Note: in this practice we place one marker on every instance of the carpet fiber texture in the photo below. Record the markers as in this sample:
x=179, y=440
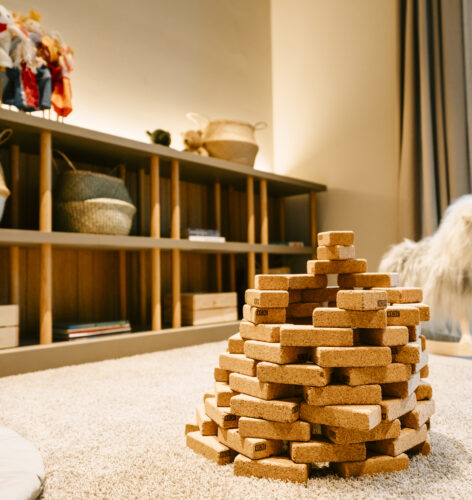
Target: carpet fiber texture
x=115, y=430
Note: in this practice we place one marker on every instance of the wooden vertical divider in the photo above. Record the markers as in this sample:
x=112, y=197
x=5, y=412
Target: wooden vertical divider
x=122, y=258
x=313, y=227
x=45, y=224
x=175, y=233
x=282, y=217
x=142, y=253
x=15, y=250
x=232, y=256
x=264, y=224
x=251, y=232
x=219, y=262
x=156, y=313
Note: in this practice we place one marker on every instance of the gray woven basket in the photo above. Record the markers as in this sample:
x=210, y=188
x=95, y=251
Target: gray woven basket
x=99, y=216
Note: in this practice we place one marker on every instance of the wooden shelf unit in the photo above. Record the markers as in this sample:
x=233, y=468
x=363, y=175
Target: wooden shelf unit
x=168, y=187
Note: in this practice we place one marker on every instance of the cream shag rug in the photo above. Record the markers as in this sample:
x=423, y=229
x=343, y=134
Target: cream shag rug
x=115, y=430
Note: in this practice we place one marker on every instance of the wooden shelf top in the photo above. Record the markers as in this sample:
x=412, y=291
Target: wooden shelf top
x=31, y=238
x=89, y=146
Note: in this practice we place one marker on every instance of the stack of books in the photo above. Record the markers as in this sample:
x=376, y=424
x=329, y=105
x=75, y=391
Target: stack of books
x=198, y=234
x=66, y=331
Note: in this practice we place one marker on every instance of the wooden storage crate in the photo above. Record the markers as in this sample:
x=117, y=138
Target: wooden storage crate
x=9, y=326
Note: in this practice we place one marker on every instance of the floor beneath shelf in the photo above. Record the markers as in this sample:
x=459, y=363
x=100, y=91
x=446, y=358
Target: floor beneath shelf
x=115, y=429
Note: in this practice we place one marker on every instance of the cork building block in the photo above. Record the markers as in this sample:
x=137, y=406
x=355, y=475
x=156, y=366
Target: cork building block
x=238, y=363
x=221, y=415
x=361, y=279
x=421, y=449
x=254, y=448
x=352, y=356
x=424, y=372
x=394, y=408
x=361, y=300
x=374, y=464
x=389, y=336
x=264, y=390
x=221, y=375
x=419, y=416
x=342, y=395
x=258, y=315
x=254, y=427
x=236, y=344
x=385, y=430
x=424, y=391
x=424, y=310
x=223, y=394
x=408, y=439
x=264, y=333
x=402, y=389
x=409, y=353
x=191, y=426
x=266, y=298
x=271, y=468
x=394, y=372
x=335, y=252
x=402, y=315
x=271, y=282
x=297, y=374
x=205, y=423
x=289, y=281
x=317, y=267
x=302, y=309
x=361, y=417
x=334, y=317
x=322, y=450
x=209, y=393
x=275, y=353
x=403, y=295
x=307, y=335
x=330, y=238
x=424, y=358
x=413, y=332
x=327, y=294
x=277, y=410
x=210, y=447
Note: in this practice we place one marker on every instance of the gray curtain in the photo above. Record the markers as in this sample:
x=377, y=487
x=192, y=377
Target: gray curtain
x=435, y=156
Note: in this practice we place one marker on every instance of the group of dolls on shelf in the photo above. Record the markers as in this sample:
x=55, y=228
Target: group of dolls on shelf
x=35, y=64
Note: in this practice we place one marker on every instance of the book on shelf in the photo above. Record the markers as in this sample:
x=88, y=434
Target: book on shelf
x=199, y=231
x=213, y=239
x=73, y=331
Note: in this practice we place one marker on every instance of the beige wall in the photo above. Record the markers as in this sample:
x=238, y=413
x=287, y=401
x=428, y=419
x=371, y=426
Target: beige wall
x=336, y=111
x=144, y=65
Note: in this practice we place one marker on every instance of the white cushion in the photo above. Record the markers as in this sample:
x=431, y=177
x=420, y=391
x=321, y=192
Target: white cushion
x=21, y=467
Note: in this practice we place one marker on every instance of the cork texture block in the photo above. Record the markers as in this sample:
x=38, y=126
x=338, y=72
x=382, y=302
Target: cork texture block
x=277, y=410
x=421, y=449
x=374, y=464
x=424, y=391
x=221, y=415
x=254, y=427
x=221, y=375
x=385, y=430
x=424, y=358
x=402, y=315
x=361, y=417
x=402, y=295
x=223, y=394
x=271, y=468
x=205, y=423
x=320, y=449
x=422, y=340
x=296, y=296
x=361, y=279
x=254, y=448
x=394, y=408
x=424, y=310
x=317, y=267
x=236, y=344
x=409, y=353
x=266, y=298
x=343, y=395
x=331, y=238
x=424, y=372
x=209, y=393
x=210, y=447
x=191, y=426
x=336, y=252
x=394, y=372
x=310, y=336
x=296, y=374
x=408, y=439
x=264, y=333
x=289, y=281
x=271, y=282
x=263, y=390
x=361, y=300
x=275, y=353
x=352, y=356
x=258, y=315
x=327, y=294
x=238, y=363
x=419, y=416
x=389, y=336
x=335, y=317
x=402, y=389
x=413, y=332
x=302, y=309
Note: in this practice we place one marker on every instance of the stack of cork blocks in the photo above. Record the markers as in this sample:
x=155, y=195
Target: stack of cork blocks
x=321, y=375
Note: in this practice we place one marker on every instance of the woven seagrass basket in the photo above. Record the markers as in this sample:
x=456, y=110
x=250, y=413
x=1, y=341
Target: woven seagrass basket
x=99, y=216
